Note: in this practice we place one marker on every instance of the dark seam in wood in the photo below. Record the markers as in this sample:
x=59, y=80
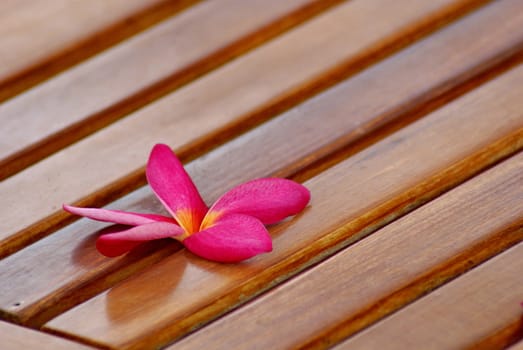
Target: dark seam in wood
x=89, y=47
x=333, y=242
x=36, y=319
x=221, y=135
x=85, y=127
x=424, y=284
x=393, y=120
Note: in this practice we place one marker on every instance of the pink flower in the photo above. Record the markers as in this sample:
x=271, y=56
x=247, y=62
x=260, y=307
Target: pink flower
x=231, y=230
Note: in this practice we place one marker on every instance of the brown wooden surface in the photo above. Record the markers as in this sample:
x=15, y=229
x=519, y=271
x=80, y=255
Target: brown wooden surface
x=41, y=38
x=36, y=299
x=475, y=306
x=122, y=79
x=347, y=203
x=276, y=74
x=409, y=257
x=403, y=118
x=15, y=338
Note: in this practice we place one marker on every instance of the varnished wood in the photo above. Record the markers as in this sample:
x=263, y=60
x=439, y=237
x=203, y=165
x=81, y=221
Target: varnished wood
x=403, y=118
x=474, y=306
x=349, y=201
x=383, y=272
x=201, y=114
x=15, y=338
x=41, y=38
x=348, y=120
x=97, y=92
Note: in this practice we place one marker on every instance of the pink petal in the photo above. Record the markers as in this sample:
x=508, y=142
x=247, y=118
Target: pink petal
x=231, y=238
x=117, y=216
x=269, y=199
x=118, y=243
x=174, y=188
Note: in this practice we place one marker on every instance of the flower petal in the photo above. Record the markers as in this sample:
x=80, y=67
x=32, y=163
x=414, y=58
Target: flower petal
x=268, y=199
x=118, y=243
x=174, y=188
x=232, y=238
x=117, y=216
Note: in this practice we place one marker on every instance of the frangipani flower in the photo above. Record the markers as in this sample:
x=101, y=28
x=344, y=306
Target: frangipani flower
x=231, y=230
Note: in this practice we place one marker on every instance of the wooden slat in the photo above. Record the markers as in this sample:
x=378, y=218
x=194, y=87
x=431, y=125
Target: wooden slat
x=474, y=306
x=40, y=38
x=349, y=200
x=404, y=259
x=201, y=114
x=15, y=338
x=105, y=88
x=402, y=83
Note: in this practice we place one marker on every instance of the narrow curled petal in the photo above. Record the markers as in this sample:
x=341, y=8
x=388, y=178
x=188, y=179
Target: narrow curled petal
x=117, y=216
x=232, y=238
x=174, y=188
x=118, y=243
x=269, y=199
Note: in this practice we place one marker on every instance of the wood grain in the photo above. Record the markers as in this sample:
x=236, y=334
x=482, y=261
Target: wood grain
x=475, y=305
x=204, y=113
x=349, y=120
x=408, y=257
x=120, y=80
x=349, y=200
x=42, y=38
x=16, y=338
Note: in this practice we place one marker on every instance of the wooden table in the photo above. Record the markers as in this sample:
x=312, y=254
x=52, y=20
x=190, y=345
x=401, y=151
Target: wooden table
x=404, y=119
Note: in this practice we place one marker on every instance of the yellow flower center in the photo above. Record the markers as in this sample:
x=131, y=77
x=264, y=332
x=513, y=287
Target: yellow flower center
x=209, y=219
x=190, y=223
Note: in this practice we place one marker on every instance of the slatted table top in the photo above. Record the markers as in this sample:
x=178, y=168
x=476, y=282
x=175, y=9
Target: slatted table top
x=403, y=118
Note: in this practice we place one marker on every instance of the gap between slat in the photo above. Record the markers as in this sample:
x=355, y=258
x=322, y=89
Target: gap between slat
x=68, y=125
x=276, y=131
x=481, y=301
x=193, y=141
x=73, y=53
x=384, y=272
x=350, y=200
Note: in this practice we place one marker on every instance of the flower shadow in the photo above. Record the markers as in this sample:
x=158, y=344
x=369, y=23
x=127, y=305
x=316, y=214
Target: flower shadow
x=85, y=253
x=158, y=288
x=143, y=294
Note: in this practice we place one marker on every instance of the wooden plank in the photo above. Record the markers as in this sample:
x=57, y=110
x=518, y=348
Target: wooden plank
x=105, y=88
x=474, y=306
x=203, y=113
x=40, y=38
x=349, y=120
x=349, y=200
x=16, y=338
x=404, y=259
